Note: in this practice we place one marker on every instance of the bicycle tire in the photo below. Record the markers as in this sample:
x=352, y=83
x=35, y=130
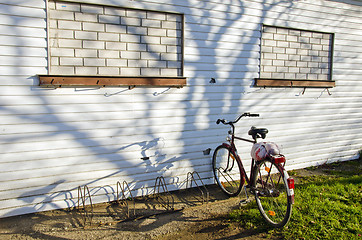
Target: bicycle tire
x=271, y=193
x=227, y=171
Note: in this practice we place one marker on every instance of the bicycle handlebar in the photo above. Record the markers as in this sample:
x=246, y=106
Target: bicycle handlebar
x=246, y=114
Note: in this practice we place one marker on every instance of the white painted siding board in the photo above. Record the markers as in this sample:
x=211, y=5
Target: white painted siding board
x=113, y=118
x=112, y=131
x=355, y=46
x=224, y=46
x=101, y=153
x=322, y=156
x=68, y=199
x=308, y=16
x=29, y=3
x=234, y=32
x=70, y=158
x=217, y=104
x=334, y=139
x=91, y=97
x=94, y=150
x=22, y=51
x=21, y=31
x=350, y=52
x=30, y=98
x=78, y=173
x=22, y=21
x=23, y=71
x=22, y=11
x=23, y=41
x=76, y=144
x=297, y=137
x=55, y=185
x=335, y=12
x=22, y=61
x=18, y=80
x=203, y=54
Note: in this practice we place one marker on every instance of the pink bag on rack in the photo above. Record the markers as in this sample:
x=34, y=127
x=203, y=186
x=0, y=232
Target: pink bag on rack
x=261, y=150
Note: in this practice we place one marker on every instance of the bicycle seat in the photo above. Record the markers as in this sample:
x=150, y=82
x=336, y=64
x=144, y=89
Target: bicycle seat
x=258, y=132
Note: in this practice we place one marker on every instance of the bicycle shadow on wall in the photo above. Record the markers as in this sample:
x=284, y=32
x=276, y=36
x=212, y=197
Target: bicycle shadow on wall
x=149, y=149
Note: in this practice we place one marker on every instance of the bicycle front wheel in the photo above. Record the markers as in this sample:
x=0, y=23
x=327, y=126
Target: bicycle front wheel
x=227, y=171
x=271, y=193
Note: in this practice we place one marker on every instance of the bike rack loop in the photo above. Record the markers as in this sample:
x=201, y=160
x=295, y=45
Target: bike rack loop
x=82, y=195
x=123, y=199
x=160, y=182
x=191, y=177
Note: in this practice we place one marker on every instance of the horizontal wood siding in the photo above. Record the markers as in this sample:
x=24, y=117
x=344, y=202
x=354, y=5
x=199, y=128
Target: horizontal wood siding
x=54, y=140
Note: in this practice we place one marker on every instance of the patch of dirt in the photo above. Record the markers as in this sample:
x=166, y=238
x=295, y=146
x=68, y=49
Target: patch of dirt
x=192, y=217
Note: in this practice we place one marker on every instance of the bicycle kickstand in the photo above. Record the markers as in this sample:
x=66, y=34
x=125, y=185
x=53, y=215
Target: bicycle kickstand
x=246, y=200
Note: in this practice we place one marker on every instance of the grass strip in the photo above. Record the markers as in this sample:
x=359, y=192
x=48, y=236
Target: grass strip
x=326, y=207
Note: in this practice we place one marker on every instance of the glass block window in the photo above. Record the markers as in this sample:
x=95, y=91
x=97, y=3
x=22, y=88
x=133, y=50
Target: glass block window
x=87, y=39
x=294, y=54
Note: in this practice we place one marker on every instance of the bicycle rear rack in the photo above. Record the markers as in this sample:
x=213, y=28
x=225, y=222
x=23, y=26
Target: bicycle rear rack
x=191, y=179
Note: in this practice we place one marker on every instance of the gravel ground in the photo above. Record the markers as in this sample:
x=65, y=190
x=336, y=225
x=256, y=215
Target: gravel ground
x=194, y=216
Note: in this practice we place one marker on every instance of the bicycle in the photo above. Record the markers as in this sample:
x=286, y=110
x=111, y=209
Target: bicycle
x=269, y=181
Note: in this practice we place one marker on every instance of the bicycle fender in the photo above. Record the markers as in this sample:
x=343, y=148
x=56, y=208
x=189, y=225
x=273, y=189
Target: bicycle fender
x=290, y=190
x=231, y=150
x=227, y=145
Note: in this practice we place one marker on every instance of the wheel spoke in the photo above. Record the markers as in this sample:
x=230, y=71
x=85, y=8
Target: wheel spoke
x=227, y=176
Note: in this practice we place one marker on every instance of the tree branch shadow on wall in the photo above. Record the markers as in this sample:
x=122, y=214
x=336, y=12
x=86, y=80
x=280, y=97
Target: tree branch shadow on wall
x=84, y=139
x=115, y=154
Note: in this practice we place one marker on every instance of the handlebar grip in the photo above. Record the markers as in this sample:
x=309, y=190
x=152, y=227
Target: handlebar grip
x=254, y=115
x=220, y=121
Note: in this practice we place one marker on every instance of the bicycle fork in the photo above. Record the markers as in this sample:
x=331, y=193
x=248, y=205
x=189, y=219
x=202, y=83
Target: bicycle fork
x=230, y=155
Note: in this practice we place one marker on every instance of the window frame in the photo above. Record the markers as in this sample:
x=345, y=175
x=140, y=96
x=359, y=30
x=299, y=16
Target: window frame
x=74, y=80
x=304, y=83
x=104, y=81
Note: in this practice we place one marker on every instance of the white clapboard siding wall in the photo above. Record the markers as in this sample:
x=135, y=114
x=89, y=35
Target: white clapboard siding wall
x=54, y=140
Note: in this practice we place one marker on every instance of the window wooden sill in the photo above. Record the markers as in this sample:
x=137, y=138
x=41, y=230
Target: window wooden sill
x=266, y=82
x=103, y=81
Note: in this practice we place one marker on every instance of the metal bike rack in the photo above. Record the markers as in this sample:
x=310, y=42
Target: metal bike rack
x=161, y=183
x=122, y=199
x=83, y=194
x=191, y=178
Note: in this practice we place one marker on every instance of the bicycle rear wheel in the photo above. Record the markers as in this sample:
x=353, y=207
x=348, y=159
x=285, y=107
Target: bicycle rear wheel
x=270, y=190
x=227, y=171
